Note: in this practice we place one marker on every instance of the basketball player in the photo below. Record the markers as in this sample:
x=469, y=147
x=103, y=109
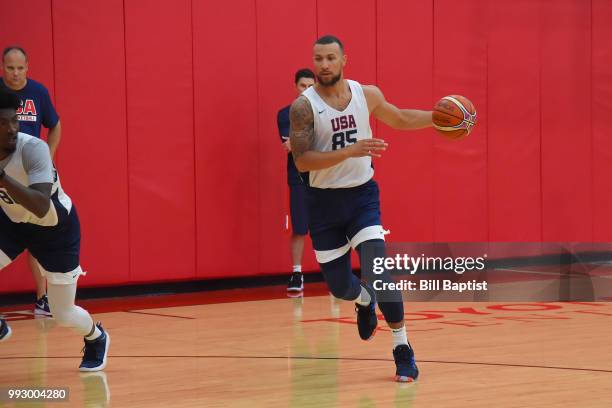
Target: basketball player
x=331, y=139
x=38, y=216
x=304, y=78
x=36, y=110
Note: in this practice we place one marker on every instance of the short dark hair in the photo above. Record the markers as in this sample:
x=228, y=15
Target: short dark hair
x=14, y=48
x=303, y=73
x=330, y=39
x=9, y=100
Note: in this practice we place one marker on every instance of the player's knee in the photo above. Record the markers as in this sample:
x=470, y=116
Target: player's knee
x=338, y=287
x=393, y=311
x=340, y=291
x=63, y=315
x=339, y=277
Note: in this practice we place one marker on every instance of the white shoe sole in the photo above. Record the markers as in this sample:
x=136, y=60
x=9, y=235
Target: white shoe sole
x=42, y=312
x=295, y=289
x=103, y=365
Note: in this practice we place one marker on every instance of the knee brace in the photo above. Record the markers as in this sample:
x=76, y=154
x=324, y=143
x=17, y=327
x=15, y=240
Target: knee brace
x=341, y=281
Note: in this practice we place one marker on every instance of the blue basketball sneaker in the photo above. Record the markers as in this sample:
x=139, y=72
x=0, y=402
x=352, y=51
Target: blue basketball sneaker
x=95, y=352
x=405, y=367
x=5, y=331
x=366, y=316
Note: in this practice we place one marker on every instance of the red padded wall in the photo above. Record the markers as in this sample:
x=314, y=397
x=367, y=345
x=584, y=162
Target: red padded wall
x=37, y=40
x=90, y=78
x=36, y=37
x=460, y=166
x=354, y=22
x=405, y=172
x=514, y=179
x=160, y=139
x=226, y=139
x=182, y=174
x=601, y=108
x=566, y=133
x=284, y=44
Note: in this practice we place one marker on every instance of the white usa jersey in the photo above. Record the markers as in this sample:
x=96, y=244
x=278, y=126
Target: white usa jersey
x=29, y=164
x=334, y=130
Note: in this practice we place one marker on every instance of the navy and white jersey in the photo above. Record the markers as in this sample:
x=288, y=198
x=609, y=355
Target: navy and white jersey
x=335, y=130
x=29, y=164
x=36, y=108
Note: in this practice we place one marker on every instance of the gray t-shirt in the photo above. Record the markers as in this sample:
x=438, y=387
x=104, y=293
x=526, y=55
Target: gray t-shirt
x=30, y=164
x=36, y=161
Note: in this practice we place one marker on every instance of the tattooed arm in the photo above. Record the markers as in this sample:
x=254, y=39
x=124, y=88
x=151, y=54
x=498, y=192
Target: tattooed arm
x=302, y=137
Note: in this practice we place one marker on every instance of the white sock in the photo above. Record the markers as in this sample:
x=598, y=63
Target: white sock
x=66, y=313
x=399, y=336
x=297, y=268
x=364, y=298
x=95, y=333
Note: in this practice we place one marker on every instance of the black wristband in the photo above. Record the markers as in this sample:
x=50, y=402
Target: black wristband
x=2, y=173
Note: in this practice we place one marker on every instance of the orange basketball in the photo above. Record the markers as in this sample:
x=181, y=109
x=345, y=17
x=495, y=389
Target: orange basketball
x=454, y=116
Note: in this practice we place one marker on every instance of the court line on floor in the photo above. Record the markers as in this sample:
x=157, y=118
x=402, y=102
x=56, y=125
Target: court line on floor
x=545, y=273
x=527, y=271
x=325, y=358
x=159, y=314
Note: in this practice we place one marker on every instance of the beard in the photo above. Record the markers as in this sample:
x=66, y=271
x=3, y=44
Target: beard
x=331, y=82
x=9, y=148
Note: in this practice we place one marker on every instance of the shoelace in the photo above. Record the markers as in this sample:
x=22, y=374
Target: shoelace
x=403, y=355
x=90, y=353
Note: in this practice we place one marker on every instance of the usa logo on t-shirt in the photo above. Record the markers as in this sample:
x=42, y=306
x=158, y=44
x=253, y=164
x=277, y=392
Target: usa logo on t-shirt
x=27, y=111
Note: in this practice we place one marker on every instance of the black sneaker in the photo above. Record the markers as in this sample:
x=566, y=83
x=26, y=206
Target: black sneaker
x=405, y=366
x=296, y=282
x=41, y=307
x=5, y=331
x=366, y=316
x=95, y=352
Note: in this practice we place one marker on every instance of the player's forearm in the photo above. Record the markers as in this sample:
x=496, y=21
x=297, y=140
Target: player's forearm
x=53, y=139
x=33, y=200
x=412, y=119
x=313, y=160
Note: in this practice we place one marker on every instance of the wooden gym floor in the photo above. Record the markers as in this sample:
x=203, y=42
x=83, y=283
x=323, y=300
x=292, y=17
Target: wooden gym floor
x=258, y=348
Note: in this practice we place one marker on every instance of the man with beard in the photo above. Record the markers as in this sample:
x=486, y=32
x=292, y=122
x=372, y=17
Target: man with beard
x=38, y=216
x=331, y=139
